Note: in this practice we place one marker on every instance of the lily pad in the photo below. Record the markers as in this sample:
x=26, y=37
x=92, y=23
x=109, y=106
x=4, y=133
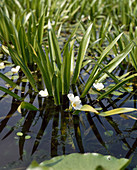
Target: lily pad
x=78, y=161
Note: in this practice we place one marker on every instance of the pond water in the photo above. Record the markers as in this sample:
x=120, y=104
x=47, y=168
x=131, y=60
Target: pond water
x=52, y=131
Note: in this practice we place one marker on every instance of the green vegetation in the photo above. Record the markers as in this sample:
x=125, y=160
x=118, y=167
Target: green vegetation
x=77, y=161
x=70, y=47
x=28, y=36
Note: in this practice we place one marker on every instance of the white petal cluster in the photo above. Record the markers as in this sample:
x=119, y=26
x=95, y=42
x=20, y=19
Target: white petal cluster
x=43, y=93
x=1, y=64
x=15, y=69
x=98, y=86
x=75, y=101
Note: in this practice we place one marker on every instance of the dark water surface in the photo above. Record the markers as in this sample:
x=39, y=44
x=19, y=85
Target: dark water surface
x=53, y=131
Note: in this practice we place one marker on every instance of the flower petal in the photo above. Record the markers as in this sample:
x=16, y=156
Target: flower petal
x=70, y=96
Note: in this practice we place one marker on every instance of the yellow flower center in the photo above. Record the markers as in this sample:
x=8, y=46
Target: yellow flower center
x=74, y=105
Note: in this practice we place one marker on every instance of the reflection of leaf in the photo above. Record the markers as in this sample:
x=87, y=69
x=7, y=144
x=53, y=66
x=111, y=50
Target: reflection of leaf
x=124, y=116
x=132, y=117
x=109, y=133
x=26, y=105
x=78, y=161
x=89, y=108
x=135, y=168
x=117, y=111
x=124, y=146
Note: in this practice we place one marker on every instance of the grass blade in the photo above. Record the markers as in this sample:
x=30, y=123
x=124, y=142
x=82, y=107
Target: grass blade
x=10, y=93
x=117, y=86
x=117, y=111
x=82, y=50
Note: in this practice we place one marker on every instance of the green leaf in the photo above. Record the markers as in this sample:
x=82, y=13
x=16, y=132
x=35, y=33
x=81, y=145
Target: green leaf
x=42, y=63
x=82, y=51
x=56, y=88
x=119, y=58
x=117, y=111
x=117, y=86
x=27, y=137
x=26, y=105
x=66, y=67
x=88, y=108
x=10, y=93
x=85, y=161
x=55, y=52
x=35, y=166
x=95, y=69
x=108, y=133
x=24, y=68
x=19, y=134
x=11, y=83
x=41, y=28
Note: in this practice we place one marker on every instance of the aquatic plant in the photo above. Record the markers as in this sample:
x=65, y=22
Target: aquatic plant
x=75, y=101
x=82, y=161
x=43, y=93
x=59, y=69
x=15, y=69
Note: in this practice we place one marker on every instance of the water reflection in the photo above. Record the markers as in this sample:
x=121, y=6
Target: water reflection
x=55, y=131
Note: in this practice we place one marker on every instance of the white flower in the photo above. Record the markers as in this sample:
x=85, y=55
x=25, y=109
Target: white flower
x=44, y=93
x=75, y=101
x=15, y=69
x=70, y=96
x=82, y=16
x=1, y=64
x=53, y=22
x=98, y=86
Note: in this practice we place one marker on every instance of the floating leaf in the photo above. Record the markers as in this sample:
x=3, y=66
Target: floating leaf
x=15, y=77
x=2, y=67
x=109, y=133
x=25, y=80
x=88, y=108
x=117, y=111
x=78, y=161
x=9, y=73
x=19, y=134
x=27, y=137
x=116, y=93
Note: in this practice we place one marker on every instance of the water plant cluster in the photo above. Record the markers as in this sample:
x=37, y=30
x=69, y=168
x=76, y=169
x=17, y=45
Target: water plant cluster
x=70, y=49
x=30, y=32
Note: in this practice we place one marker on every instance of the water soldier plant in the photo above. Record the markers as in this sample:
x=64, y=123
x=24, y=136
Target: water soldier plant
x=58, y=72
x=81, y=53
x=57, y=67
